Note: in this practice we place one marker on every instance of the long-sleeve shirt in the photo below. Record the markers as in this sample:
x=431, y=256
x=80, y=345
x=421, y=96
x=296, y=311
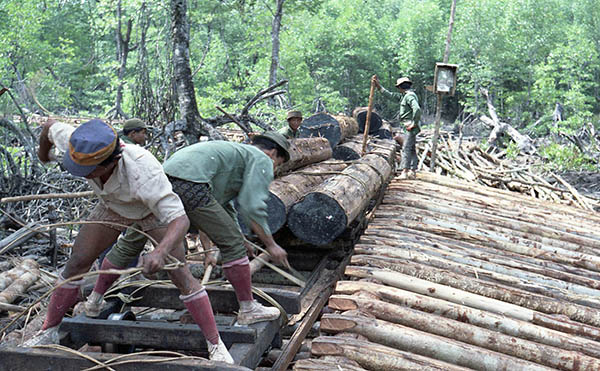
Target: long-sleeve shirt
x=409, y=107
x=231, y=170
x=288, y=133
x=138, y=185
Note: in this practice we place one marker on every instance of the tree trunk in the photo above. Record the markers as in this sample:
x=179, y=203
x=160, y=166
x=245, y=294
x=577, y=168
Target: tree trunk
x=385, y=132
x=374, y=356
x=195, y=126
x=275, y=29
x=348, y=126
x=305, y=151
x=323, y=214
x=349, y=150
x=123, y=49
x=422, y=343
x=462, y=313
x=524, y=143
x=360, y=115
x=321, y=125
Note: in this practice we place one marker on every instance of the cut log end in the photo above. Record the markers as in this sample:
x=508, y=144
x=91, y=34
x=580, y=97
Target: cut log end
x=317, y=219
x=322, y=125
x=345, y=153
x=361, y=117
x=343, y=304
x=276, y=215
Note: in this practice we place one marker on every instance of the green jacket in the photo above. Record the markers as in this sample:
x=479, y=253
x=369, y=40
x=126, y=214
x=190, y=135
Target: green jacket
x=126, y=139
x=409, y=107
x=231, y=170
x=288, y=133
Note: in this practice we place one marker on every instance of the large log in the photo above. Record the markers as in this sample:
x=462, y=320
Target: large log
x=463, y=313
x=360, y=115
x=285, y=191
x=402, y=281
x=321, y=125
x=385, y=132
x=375, y=356
x=303, y=152
x=324, y=364
x=347, y=151
x=323, y=214
x=348, y=126
x=467, y=333
x=422, y=343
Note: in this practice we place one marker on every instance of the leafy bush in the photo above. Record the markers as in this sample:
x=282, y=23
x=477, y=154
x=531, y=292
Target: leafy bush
x=565, y=157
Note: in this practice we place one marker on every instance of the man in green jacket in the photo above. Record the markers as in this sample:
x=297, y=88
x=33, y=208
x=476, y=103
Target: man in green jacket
x=294, y=119
x=409, y=116
x=207, y=177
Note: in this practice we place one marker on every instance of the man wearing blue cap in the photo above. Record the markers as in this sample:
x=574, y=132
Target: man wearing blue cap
x=132, y=188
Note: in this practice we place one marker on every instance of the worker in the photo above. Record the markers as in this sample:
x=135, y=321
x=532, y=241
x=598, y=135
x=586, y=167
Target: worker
x=134, y=132
x=409, y=116
x=208, y=176
x=294, y=119
x=132, y=188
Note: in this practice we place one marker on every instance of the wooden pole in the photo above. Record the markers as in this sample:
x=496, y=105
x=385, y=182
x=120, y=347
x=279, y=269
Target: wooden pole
x=45, y=196
x=438, y=110
x=368, y=121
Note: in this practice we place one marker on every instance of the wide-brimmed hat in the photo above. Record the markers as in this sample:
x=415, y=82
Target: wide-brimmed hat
x=402, y=80
x=133, y=124
x=90, y=144
x=292, y=114
x=278, y=139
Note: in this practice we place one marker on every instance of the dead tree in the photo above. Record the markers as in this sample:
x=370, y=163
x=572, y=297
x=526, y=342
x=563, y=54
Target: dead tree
x=524, y=143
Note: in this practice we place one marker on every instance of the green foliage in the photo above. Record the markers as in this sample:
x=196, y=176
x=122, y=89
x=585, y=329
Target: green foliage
x=565, y=157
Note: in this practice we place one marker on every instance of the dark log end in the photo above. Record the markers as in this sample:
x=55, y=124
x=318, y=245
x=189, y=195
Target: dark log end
x=276, y=215
x=317, y=219
x=322, y=125
x=384, y=134
x=361, y=118
x=345, y=153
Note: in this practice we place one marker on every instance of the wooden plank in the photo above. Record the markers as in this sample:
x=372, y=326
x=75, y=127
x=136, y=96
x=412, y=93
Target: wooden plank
x=249, y=355
x=27, y=359
x=158, y=335
x=222, y=299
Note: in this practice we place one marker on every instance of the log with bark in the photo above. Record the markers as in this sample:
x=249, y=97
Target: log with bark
x=321, y=125
x=385, y=131
x=465, y=332
x=373, y=356
x=425, y=344
x=324, y=213
x=19, y=286
x=348, y=151
x=348, y=126
x=583, y=315
x=360, y=115
x=480, y=318
x=303, y=152
x=351, y=149
x=325, y=364
x=285, y=191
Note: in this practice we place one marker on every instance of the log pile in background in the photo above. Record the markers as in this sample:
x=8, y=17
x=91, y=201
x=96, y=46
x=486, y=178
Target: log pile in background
x=468, y=276
x=470, y=162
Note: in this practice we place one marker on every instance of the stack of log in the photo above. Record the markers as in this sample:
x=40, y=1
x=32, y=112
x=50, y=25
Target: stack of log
x=317, y=196
x=452, y=275
x=492, y=167
x=15, y=282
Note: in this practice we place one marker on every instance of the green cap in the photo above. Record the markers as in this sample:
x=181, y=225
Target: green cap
x=134, y=124
x=292, y=114
x=278, y=139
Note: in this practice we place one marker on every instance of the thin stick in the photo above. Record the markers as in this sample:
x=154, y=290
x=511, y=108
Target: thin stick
x=368, y=120
x=46, y=196
x=297, y=278
x=208, y=270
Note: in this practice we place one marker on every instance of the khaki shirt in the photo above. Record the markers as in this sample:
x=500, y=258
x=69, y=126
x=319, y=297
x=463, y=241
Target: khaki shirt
x=138, y=185
x=409, y=107
x=232, y=170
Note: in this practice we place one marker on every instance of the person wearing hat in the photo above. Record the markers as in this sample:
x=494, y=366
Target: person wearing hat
x=133, y=188
x=409, y=116
x=134, y=132
x=294, y=119
x=208, y=176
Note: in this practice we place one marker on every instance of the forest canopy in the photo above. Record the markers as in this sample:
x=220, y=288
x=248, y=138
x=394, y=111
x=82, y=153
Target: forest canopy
x=115, y=57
